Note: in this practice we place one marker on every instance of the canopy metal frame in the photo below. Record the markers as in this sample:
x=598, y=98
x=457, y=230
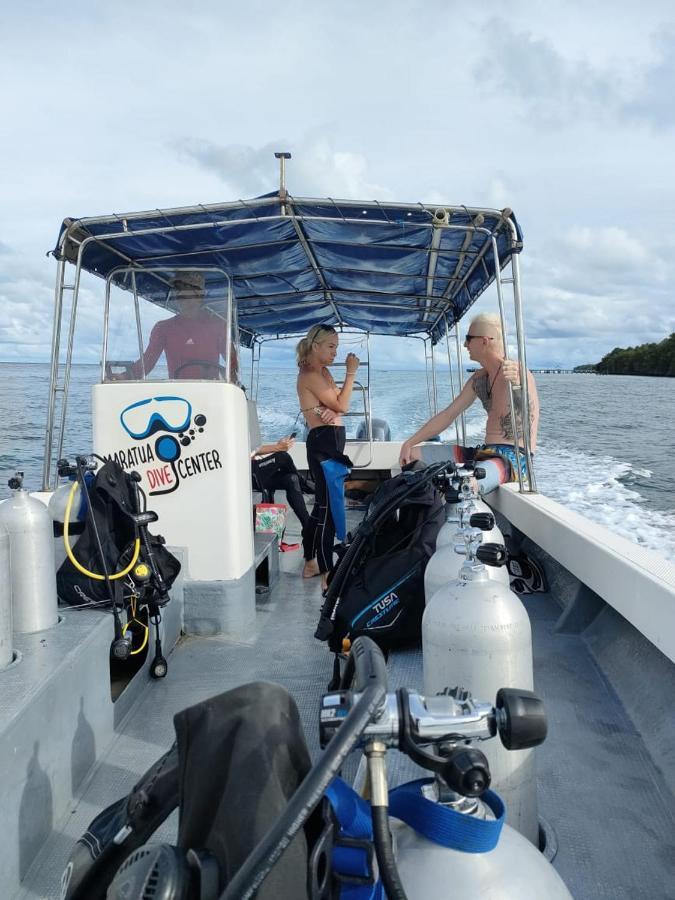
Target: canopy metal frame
x=440, y=312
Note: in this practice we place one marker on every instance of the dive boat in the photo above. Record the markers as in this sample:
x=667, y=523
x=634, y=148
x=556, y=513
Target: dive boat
x=76, y=732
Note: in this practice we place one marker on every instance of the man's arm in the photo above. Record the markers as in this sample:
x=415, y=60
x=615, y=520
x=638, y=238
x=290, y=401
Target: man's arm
x=533, y=397
x=152, y=353
x=281, y=444
x=439, y=422
x=511, y=371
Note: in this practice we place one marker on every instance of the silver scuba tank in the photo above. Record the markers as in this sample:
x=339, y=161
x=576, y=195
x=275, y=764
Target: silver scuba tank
x=475, y=631
x=57, y=510
x=31, y=543
x=6, y=651
x=513, y=870
x=446, y=562
x=59, y=501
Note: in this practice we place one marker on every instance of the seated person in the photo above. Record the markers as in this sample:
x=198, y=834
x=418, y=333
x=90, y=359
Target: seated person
x=193, y=341
x=489, y=385
x=273, y=470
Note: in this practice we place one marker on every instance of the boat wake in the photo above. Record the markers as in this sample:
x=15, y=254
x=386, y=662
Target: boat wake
x=598, y=487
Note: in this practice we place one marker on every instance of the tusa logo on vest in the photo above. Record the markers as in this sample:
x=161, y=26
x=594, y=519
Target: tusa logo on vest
x=382, y=607
x=171, y=424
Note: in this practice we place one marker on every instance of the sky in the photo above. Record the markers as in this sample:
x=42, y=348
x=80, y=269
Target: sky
x=564, y=112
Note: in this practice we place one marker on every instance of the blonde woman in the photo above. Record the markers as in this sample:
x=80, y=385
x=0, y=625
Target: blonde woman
x=322, y=402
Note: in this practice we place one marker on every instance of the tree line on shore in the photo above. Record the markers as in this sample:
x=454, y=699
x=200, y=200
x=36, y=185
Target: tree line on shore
x=647, y=359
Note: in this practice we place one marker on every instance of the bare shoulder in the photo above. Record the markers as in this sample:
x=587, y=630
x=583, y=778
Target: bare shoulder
x=327, y=376
x=308, y=377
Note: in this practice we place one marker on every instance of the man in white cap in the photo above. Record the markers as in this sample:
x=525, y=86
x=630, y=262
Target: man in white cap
x=193, y=341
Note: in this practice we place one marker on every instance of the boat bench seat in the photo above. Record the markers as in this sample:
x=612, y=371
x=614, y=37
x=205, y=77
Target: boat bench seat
x=637, y=582
x=265, y=560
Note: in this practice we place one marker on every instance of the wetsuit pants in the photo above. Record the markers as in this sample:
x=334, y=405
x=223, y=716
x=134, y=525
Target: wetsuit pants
x=318, y=537
x=291, y=484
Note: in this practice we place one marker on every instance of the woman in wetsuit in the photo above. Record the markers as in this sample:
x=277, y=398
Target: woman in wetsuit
x=322, y=402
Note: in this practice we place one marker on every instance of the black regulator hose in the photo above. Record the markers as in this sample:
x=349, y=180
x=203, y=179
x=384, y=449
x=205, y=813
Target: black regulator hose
x=384, y=852
x=260, y=862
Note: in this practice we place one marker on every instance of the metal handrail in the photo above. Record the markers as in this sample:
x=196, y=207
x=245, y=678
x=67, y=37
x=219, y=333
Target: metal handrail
x=366, y=415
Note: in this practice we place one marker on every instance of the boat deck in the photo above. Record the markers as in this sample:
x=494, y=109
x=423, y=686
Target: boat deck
x=610, y=812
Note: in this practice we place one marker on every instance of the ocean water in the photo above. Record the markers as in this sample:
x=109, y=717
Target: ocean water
x=605, y=442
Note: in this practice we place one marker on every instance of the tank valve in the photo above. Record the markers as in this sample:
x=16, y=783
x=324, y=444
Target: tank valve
x=467, y=772
x=15, y=483
x=492, y=554
x=521, y=718
x=484, y=521
x=472, y=538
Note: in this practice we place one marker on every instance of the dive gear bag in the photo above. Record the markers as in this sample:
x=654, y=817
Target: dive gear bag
x=377, y=586
x=113, y=505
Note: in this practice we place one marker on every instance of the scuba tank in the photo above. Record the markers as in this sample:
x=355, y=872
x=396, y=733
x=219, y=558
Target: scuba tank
x=462, y=501
x=511, y=870
x=445, y=564
x=58, y=503
x=475, y=631
x=31, y=541
x=6, y=653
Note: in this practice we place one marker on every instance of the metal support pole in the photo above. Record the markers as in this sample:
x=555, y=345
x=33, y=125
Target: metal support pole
x=53, y=374
x=228, y=328
x=434, y=389
x=426, y=375
x=522, y=359
x=512, y=406
x=139, y=333
x=452, y=380
x=106, y=326
x=69, y=357
x=460, y=378
x=369, y=411
x=283, y=193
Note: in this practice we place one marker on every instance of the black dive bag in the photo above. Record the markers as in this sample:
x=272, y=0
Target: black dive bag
x=377, y=587
x=112, y=496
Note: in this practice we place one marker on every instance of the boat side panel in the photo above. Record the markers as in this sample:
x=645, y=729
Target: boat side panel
x=56, y=719
x=637, y=582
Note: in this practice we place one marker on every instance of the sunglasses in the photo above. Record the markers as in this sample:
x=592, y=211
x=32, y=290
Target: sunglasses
x=324, y=329
x=470, y=337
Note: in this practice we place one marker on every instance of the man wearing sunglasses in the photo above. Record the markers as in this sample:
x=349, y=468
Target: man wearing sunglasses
x=489, y=384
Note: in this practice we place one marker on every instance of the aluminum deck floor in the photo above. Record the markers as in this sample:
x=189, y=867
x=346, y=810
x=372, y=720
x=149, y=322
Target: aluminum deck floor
x=610, y=810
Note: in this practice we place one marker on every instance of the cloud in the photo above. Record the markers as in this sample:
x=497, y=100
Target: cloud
x=653, y=102
x=318, y=168
x=551, y=87
x=557, y=89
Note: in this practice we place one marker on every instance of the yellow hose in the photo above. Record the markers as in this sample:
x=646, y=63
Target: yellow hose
x=145, y=628
x=71, y=556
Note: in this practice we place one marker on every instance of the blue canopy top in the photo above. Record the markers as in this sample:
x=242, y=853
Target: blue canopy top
x=386, y=268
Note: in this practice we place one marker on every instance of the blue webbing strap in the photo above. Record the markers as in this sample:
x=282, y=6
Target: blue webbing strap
x=353, y=815
x=445, y=826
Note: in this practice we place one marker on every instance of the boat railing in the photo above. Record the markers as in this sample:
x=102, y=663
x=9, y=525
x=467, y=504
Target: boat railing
x=368, y=420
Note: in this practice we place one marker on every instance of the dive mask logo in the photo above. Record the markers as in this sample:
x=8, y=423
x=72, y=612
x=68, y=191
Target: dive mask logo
x=144, y=418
